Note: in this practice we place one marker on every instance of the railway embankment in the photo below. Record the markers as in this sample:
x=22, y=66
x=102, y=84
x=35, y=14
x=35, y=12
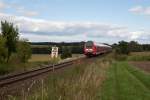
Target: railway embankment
x=95, y=78
x=80, y=81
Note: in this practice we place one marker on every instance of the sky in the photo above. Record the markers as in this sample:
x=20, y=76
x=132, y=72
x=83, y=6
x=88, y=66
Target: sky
x=106, y=21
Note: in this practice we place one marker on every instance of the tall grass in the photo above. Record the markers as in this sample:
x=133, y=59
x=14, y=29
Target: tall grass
x=15, y=66
x=5, y=68
x=80, y=82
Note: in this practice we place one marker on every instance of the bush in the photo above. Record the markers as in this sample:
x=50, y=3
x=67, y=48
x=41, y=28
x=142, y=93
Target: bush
x=66, y=52
x=55, y=60
x=123, y=48
x=3, y=50
x=23, y=51
x=5, y=68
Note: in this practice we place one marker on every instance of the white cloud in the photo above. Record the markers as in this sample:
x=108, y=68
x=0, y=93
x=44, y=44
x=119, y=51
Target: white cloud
x=45, y=30
x=140, y=10
x=137, y=9
x=18, y=8
x=24, y=12
x=30, y=13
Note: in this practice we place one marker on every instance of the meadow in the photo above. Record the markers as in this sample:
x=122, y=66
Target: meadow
x=125, y=82
x=102, y=79
x=139, y=56
x=40, y=58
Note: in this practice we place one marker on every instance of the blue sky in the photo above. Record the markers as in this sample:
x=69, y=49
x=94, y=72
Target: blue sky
x=79, y=20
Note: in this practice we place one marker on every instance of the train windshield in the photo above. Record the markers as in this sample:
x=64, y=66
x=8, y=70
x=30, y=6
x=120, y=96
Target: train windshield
x=89, y=44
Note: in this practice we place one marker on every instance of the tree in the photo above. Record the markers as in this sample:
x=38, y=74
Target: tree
x=66, y=52
x=123, y=48
x=23, y=51
x=10, y=33
x=3, y=50
x=134, y=46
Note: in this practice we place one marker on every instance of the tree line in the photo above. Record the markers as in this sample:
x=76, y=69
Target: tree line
x=45, y=47
x=123, y=47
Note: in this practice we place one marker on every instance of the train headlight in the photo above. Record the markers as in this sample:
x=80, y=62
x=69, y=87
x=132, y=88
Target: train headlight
x=89, y=50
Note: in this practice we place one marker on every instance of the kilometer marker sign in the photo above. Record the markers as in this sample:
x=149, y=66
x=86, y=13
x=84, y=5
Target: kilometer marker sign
x=54, y=52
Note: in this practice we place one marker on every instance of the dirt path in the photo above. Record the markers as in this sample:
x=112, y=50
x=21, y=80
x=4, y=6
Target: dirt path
x=144, y=65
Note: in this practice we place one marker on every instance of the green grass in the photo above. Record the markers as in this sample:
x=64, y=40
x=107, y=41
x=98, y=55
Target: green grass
x=5, y=68
x=126, y=83
x=36, y=61
x=139, y=56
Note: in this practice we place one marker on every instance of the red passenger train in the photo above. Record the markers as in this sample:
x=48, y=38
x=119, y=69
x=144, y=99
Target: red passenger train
x=92, y=48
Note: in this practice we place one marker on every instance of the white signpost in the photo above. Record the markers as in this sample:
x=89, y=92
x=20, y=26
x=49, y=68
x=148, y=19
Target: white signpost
x=54, y=52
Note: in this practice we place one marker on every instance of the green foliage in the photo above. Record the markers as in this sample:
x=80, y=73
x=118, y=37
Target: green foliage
x=10, y=33
x=66, y=52
x=45, y=47
x=146, y=47
x=134, y=46
x=3, y=50
x=122, y=48
x=23, y=51
x=5, y=68
x=55, y=60
x=126, y=47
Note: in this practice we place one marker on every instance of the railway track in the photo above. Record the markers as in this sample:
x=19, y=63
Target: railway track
x=10, y=79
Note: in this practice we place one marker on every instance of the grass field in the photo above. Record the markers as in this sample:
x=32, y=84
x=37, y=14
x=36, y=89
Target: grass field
x=39, y=57
x=124, y=82
x=140, y=53
x=139, y=56
x=102, y=79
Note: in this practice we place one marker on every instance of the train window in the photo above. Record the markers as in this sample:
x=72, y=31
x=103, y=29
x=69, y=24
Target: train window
x=89, y=44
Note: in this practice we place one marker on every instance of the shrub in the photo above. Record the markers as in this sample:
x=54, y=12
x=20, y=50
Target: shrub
x=5, y=68
x=66, y=52
x=123, y=48
x=3, y=50
x=23, y=51
x=55, y=60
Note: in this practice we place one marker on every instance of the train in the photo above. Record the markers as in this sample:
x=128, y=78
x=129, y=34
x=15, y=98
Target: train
x=93, y=49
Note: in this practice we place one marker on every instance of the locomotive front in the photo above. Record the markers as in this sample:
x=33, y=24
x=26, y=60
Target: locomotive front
x=89, y=48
